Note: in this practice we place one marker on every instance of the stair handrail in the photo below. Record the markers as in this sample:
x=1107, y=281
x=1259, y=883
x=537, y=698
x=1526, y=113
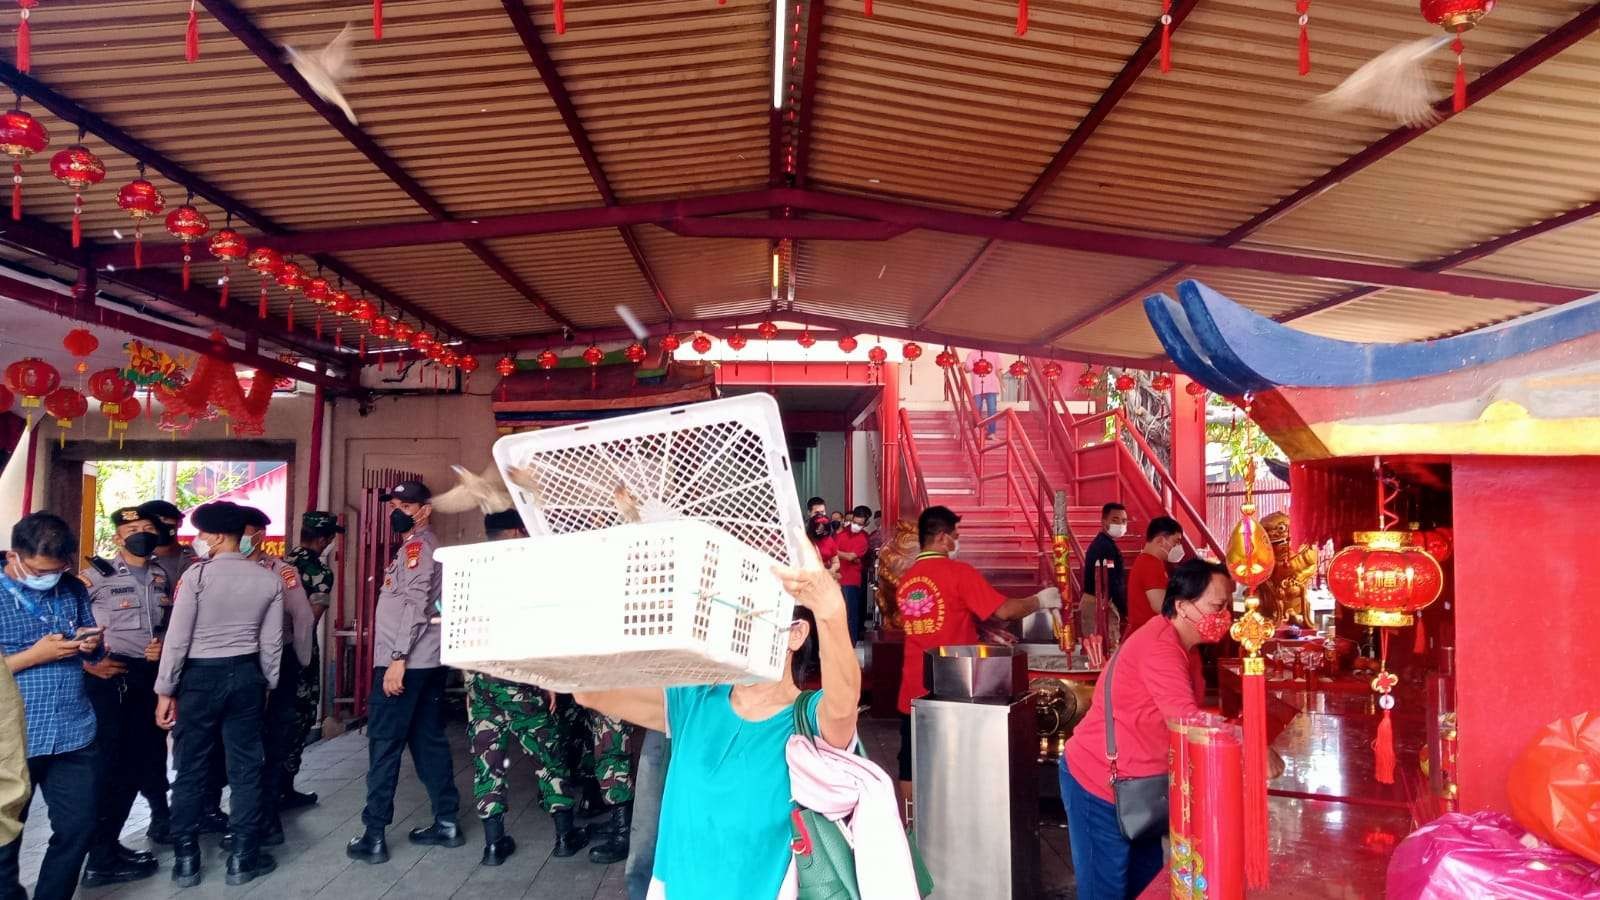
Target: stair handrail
x=1066, y=425
x=911, y=463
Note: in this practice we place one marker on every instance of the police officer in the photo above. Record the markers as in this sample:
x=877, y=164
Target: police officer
x=313, y=559
x=223, y=648
x=406, y=705
x=130, y=598
x=170, y=555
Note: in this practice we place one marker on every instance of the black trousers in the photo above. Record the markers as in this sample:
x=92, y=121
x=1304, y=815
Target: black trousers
x=282, y=724
x=134, y=757
x=414, y=719
x=70, y=783
x=219, y=700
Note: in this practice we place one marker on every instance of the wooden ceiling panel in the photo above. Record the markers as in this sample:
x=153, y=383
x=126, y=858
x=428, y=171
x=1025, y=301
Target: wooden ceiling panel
x=879, y=281
x=584, y=274
x=448, y=281
x=1406, y=315
x=709, y=276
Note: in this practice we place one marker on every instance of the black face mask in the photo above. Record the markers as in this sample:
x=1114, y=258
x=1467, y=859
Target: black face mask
x=168, y=535
x=399, y=522
x=142, y=543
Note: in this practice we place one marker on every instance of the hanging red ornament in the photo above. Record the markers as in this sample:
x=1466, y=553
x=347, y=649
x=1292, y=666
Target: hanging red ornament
x=701, y=344
x=634, y=353
x=982, y=366
x=403, y=332
x=806, y=340
x=377, y=20
x=32, y=379
x=21, y=136
x=1018, y=369
x=561, y=16
x=946, y=359
x=77, y=168
x=117, y=419
x=911, y=351
x=111, y=389
x=80, y=342
x=421, y=341
x=593, y=355
x=140, y=199
x=877, y=355
x=317, y=290
x=290, y=276
x=1022, y=17
x=548, y=359
x=229, y=247
x=65, y=405
x=1088, y=379
x=1194, y=389
x=768, y=330
x=1125, y=382
x=506, y=366
x=187, y=224
x=1161, y=382
x=848, y=344
x=468, y=363
x=1052, y=370
x=265, y=262
x=1303, y=7
x=1457, y=17
x=670, y=342
x=1166, y=35
x=25, y=38
x=737, y=340
x=363, y=311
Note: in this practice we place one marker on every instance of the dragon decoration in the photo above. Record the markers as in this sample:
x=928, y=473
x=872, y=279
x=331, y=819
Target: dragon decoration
x=209, y=390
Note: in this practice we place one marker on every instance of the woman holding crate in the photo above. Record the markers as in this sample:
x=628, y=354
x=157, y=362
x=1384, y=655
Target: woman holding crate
x=724, y=828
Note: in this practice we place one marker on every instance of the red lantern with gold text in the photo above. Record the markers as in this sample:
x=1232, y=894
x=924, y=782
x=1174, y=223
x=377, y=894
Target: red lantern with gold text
x=593, y=356
x=506, y=366
x=64, y=405
x=403, y=334
x=548, y=359
x=80, y=342
x=341, y=304
x=1457, y=17
x=117, y=419
x=768, y=330
x=187, y=224
x=21, y=136
x=77, y=167
x=1018, y=369
x=634, y=353
x=32, y=379
x=264, y=261
x=363, y=311
x=111, y=389
x=467, y=364
x=946, y=359
x=141, y=200
x=701, y=344
x=229, y=247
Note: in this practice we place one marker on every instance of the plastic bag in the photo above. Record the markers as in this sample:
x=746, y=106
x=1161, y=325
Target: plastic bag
x=1555, y=785
x=1486, y=854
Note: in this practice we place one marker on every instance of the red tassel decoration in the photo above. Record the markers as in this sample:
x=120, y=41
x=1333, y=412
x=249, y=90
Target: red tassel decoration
x=1166, y=36
x=25, y=39
x=16, y=190
x=77, y=224
x=261, y=306
x=377, y=20
x=290, y=315
x=191, y=35
x=1022, y=17
x=1383, y=745
x=186, y=267
x=319, y=326
x=561, y=17
x=1460, y=102
x=1304, y=7
x=867, y=7
x=138, y=245
x=1255, y=771
x=227, y=279
x=362, y=349
x=1420, y=647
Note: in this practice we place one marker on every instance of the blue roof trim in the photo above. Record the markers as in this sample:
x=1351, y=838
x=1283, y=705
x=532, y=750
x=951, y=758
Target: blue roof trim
x=1171, y=325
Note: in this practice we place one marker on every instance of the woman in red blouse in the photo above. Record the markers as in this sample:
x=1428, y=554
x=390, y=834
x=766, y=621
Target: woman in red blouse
x=1157, y=678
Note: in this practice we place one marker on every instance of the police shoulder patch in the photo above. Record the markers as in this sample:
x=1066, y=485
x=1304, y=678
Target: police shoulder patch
x=413, y=554
x=290, y=579
x=87, y=581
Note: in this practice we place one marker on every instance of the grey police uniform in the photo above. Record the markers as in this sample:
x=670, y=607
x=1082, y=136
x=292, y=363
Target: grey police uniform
x=176, y=564
x=132, y=603
x=223, y=649
x=281, y=720
x=407, y=604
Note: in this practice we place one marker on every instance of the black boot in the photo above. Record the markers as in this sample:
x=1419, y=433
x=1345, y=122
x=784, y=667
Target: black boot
x=108, y=866
x=570, y=838
x=293, y=799
x=186, y=861
x=371, y=848
x=497, y=845
x=129, y=855
x=248, y=861
x=159, y=832
x=614, y=847
x=271, y=836
x=213, y=821
x=439, y=834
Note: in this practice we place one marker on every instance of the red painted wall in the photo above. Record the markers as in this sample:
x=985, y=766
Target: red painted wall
x=1527, y=646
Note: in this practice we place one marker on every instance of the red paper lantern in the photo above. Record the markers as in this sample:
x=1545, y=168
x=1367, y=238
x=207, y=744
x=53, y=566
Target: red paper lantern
x=670, y=342
x=264, y=261
x=806, y=340
x=1457, y=17
x=877, y=355
x=1161, y=382
x=421, y=341
x=117, y=419
x=768, y=330
x=635, y=352
x=64, y=405
x=1125, y=382
x=1385, y=577
x=1194, y=389
x=701, y=344
x=187, y=224
x=229, y=247
x=111, y=389
x=737, y=340
x=593, y=355
x=21, y=136
x=403, y=333
x=1052, y=370
x=1018, y=369
x=1439, y=543
x=506, y=366
x=77, y=168
x=468, y=364
x=80, y=342
x=341, y=303
x=548, y=359
x=848, y=344
x=982, y=367
x=946, y=359
x=1088, y=379
x=290, y=276
x=911, y=351
x=32, y=379
x=141, y=200
x=317, y=290
x=383, y=327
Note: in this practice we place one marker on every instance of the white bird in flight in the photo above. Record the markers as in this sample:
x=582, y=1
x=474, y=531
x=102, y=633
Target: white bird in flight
x=327, y=70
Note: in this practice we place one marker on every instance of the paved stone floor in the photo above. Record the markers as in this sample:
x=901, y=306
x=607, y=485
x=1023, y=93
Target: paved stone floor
x=312, y=862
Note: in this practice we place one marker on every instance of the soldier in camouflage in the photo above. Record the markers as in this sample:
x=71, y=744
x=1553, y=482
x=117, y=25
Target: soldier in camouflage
x=314, y=561
x=502, y=714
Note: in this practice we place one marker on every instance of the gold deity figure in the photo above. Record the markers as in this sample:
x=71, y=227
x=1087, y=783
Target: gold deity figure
x=894, y=559
x=1283, y=596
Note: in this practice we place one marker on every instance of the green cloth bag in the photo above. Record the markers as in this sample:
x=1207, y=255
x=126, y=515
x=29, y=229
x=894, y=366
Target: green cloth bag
x=824, y=861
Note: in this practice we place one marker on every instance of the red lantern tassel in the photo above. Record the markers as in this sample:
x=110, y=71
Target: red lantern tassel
x=1460, y=102
x=338, y=336
x=77, y=223
x=16, y=190
x=1166, y=36
x=186, y=267
x=1420, y=647
x=138, y=246
x=1022, y=17
x=1383, y=744
x=362, y=348
x=261, y=307
x=377, y=20
x=561, y=17
x=1255, y=771
x=290, y=315
x=191, y=35
x=25, y=39
x=223, y=302
x=867, y=7
x=319, y=326
x=1305, y=36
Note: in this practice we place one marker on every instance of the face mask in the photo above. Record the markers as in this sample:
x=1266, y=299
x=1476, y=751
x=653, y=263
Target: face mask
x=1175, y=555
x=38, y=582
x=141, y=543
x=169, y=535
x=327, y=555
x=855, y=526
x=201, y=547
x=399, y=522
x=1117, y=529
x=955, y=548
x=1213, y=627
x=247, y=545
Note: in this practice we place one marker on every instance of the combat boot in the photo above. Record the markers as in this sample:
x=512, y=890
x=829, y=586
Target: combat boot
x=439, y=834
x=570, y=838
x=497, y=845
x=614, y=848
x=371, y=848
x=186, y=861
x=248, y=861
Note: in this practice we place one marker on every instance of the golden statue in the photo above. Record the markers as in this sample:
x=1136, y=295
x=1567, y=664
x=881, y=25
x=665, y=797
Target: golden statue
x=1283, y=596
x=894, y=559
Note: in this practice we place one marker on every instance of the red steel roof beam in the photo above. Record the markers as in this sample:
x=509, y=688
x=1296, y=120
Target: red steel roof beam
x=1575, y=30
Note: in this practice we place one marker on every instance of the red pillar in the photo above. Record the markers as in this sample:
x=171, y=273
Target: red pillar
x=1189, y=443
x=889, y=427
x=849, y=468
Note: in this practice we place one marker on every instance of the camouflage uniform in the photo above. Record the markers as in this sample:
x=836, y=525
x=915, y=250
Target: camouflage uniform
x=318, y=581
x=502, y=712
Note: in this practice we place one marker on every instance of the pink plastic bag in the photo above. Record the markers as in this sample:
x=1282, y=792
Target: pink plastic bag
x=1486, y=855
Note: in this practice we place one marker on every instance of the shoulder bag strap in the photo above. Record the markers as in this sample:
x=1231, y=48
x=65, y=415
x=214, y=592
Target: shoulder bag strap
x=1111, y=722
x=802, y=722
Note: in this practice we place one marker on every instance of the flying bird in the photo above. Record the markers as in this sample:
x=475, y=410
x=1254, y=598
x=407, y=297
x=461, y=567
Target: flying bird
x=487, y=492
x=329, y=69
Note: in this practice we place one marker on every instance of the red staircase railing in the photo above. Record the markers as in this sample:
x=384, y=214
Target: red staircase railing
x=911, y=469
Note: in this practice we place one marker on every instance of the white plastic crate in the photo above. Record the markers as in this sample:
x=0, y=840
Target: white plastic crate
x=642, y=605
x=650, y=565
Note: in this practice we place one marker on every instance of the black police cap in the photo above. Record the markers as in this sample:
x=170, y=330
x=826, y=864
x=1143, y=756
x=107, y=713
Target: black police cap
x=220, y=517
x=155, y=510
x=128, y=514
x=408, y=492
x=505, y=520
x=255, y=518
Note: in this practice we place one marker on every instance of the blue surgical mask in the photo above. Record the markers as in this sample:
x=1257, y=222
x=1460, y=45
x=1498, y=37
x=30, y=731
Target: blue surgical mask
x=41, y=582
x=247, y=545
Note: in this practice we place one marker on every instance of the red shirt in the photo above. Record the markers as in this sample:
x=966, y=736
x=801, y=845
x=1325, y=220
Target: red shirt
x=1149, y=573
x=847, y=541
x=1156, y=679
x=941, y=603
x=826, y=550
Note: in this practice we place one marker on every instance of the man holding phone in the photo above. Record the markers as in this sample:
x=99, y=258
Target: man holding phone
x=47, y=632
